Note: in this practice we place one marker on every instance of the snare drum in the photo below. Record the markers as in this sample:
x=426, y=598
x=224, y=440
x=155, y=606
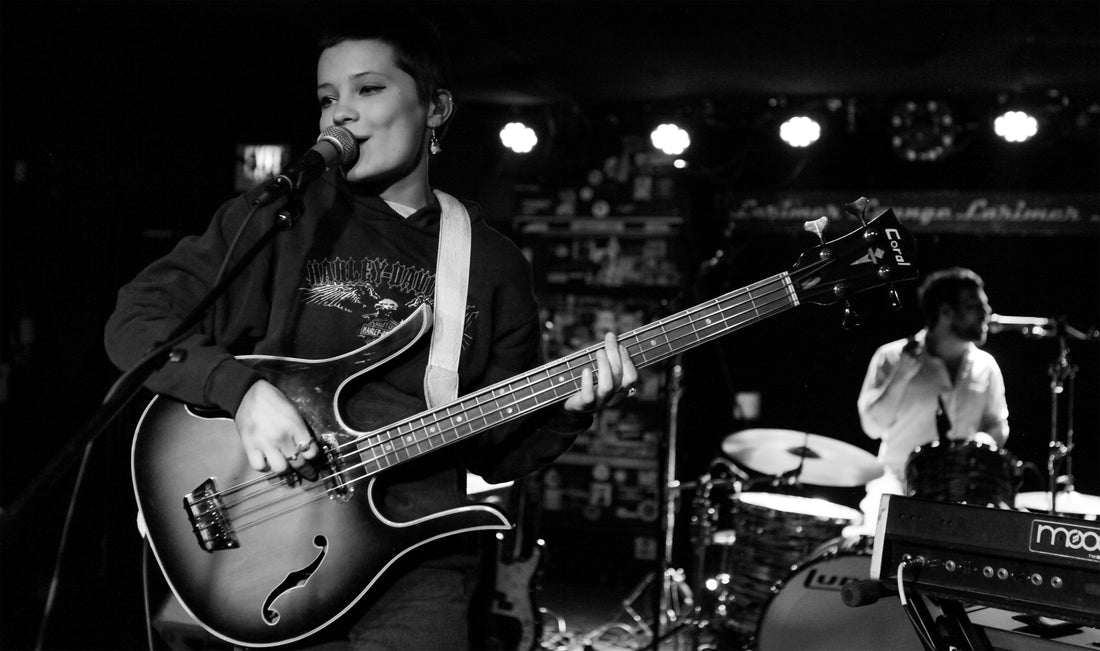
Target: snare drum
x=807, y=613
x=770, y=534
x=966, y=472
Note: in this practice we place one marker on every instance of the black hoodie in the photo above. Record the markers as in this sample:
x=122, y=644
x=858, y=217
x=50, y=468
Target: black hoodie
x=349, y=270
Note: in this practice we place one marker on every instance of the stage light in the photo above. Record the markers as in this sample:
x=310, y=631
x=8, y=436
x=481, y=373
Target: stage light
x=670, y=139
x=800, y=131
x=518, y=137
x=257, y=163
x=923, y=131
x=1015, y=126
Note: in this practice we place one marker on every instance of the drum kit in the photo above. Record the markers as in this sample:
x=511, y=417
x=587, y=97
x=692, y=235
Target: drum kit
x=770, y=560
x=755, y=536
x=771, y=555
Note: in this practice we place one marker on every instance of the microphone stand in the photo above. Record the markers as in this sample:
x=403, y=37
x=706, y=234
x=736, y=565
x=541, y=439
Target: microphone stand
x=126, y=387
x=1062, y=373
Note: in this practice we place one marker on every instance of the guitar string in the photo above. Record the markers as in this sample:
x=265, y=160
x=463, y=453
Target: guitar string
x=761, y=307
x=313, y=487
x=569, y=366
x=568, y=363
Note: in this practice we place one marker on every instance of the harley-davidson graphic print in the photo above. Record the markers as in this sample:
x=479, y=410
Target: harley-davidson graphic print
x=380, y=292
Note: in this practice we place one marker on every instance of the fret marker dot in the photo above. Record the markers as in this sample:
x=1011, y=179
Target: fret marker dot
x=389, y=447
x=432, y=429
x=408, y=438
x=509, y=410
x=561, y=378
x=652, y=342
x=458, y=419
x=709, y=321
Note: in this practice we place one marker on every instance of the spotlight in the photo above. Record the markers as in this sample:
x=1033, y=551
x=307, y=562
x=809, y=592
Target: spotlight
x=670, y=139
x=257, y=163
x=923, y=131
x=518, y=137
x=1015, y=126
x=800, y=131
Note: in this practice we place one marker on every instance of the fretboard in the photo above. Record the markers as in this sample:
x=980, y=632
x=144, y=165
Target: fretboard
x=556, y=381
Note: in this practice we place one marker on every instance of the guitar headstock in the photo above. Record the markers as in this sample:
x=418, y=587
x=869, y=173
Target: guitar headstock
x=880, y=253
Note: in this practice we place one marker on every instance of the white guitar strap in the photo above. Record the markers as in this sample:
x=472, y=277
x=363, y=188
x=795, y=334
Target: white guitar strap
x=452, y=278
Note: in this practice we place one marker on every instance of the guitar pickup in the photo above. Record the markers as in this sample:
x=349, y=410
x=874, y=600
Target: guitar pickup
x=208, y=517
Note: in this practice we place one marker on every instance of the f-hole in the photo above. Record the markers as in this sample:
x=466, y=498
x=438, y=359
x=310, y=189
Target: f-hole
x=295, y=579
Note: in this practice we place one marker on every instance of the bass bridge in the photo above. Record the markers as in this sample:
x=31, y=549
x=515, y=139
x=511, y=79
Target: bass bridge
x=209, y=519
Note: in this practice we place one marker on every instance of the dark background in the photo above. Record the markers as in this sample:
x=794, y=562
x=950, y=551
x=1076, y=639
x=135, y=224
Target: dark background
x=119, y=127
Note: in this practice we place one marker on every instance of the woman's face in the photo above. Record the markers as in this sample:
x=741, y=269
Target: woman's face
x=360, y=87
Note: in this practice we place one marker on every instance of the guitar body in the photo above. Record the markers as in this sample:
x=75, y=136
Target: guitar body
x=262, y=559
x=300, y=554
x=514, y=617
x=514, y=620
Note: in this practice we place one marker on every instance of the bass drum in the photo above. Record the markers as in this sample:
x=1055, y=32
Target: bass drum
x=807, y=613
x=771, y=533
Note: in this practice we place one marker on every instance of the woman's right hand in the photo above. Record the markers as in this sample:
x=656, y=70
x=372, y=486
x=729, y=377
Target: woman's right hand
x=273, y=434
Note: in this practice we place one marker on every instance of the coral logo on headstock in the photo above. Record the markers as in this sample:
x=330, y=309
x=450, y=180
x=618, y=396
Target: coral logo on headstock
x=894, y=235
x=876, y=254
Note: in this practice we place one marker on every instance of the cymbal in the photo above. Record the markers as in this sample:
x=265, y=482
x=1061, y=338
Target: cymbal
x=1067, y=502
x=825, y=461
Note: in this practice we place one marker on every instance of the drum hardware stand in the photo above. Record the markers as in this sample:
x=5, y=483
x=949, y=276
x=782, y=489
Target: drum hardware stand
x=703, y=489
x=674, y=588
x=677, y=611
x=1062, y=373
x=673, y=596
x=667, y=451
x=555, y=636
x=673, y=603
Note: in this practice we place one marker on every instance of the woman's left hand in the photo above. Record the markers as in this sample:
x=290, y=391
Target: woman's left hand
x=615, y=378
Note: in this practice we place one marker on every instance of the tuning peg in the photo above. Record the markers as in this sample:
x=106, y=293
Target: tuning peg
x=851, y=318
x=858, y=209
x=895, y=300
x=817, y=227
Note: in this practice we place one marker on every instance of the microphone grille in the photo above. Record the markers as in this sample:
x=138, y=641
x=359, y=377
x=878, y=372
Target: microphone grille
x=344, y=141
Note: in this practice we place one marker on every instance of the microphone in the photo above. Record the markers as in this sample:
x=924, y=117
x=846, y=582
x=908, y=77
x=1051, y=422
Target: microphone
x=1025, y=325
x=335, y=145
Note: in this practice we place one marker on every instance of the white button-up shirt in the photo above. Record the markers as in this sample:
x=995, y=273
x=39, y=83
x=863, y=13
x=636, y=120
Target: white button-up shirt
x=974, y=402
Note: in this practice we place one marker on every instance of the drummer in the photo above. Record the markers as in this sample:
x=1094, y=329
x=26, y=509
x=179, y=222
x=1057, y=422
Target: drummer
x=935, y=383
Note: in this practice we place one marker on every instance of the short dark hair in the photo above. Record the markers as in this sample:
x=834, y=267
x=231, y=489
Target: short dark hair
x=417, y=45
x=944, y=288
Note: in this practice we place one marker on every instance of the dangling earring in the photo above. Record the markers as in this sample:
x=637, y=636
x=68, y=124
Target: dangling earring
x=433, y=144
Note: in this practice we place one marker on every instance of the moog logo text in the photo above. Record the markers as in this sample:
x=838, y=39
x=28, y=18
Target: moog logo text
x=1060, y=539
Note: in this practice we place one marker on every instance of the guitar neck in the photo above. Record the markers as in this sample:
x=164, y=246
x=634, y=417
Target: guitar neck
x=555, y=381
